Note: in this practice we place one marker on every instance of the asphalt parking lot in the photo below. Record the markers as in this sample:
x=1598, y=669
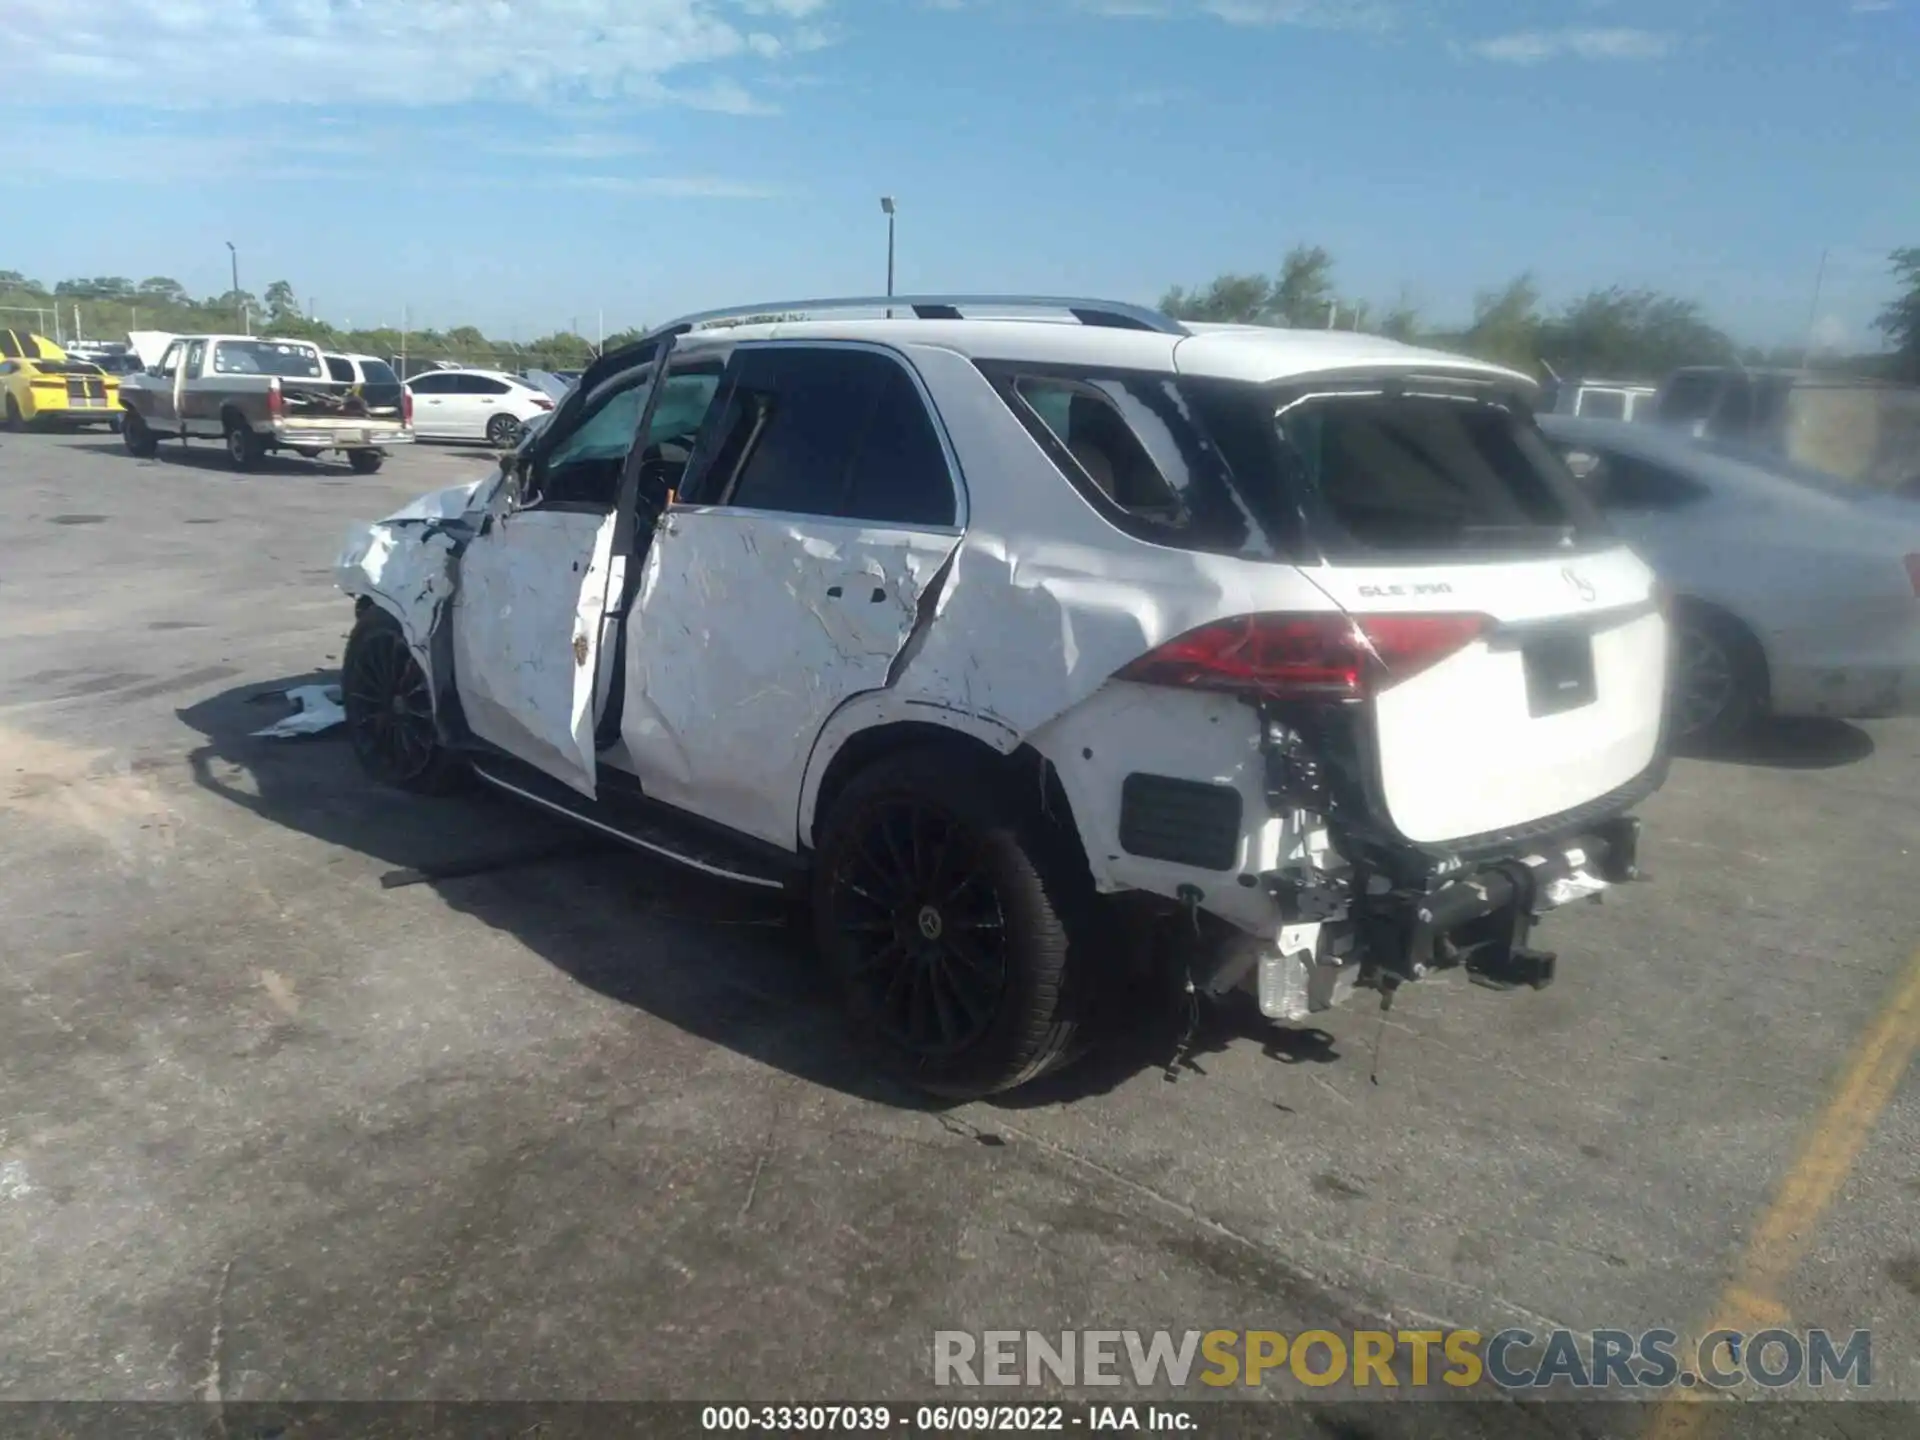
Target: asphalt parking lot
x=565, y=1125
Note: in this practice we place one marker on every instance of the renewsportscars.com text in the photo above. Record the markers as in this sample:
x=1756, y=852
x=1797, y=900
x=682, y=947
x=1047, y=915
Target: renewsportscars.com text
x=1512, y=1359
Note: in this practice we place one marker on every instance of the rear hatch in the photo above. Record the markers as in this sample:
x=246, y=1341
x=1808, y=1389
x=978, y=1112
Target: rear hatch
x=1519, y=666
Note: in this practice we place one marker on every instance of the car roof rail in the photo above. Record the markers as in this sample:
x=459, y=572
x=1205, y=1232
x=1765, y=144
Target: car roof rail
x=1108, y=314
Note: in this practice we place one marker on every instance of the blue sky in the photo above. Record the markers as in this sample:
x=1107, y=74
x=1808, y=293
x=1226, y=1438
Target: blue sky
x=521, y=164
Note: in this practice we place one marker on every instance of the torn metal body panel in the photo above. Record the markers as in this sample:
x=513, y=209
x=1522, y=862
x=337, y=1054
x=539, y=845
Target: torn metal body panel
x=404, y=563
x=723, y=715
x=526, y=633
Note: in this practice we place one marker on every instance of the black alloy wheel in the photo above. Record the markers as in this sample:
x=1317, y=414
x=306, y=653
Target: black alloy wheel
x=924, y=926
x=389, y=709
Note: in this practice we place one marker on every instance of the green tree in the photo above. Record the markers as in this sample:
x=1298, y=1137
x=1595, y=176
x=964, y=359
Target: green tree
x=1900, y=321
x=1229, y=299
x=1506, y=325
x=162, y=290
x=1630, y=334
x=14, y=280
x=1303, y=291
x=282, y=308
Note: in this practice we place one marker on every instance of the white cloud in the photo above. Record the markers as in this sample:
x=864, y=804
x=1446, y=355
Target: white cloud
x=1315, y=14
x=198, y=53
x=1533, y=47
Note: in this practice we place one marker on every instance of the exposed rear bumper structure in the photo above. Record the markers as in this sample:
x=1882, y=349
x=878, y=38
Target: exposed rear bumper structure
x=1481, y=918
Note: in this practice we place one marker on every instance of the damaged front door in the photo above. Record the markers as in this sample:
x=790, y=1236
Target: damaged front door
x=534, y=587
x=820, y=506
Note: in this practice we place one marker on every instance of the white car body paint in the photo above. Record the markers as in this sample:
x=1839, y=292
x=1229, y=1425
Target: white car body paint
x=526, y=636
x=721, y=715
x=1818, y=575
x=744, y=677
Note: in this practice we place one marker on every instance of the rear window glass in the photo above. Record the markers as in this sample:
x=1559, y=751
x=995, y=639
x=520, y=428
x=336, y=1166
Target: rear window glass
x=340, y=369
x=265, y=357
x=1255, y=471
x=1417, y=473
x=378, y=372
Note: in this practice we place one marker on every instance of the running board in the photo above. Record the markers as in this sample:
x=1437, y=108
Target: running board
x=624, y=815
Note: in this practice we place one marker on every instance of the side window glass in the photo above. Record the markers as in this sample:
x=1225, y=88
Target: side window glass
x=583, y=466
x=169, y=360
x=196, y=352
x=900, y=476
x=9, y=344
x=1085, y=417
x=339, y=369
x=481, y=385
x=428, y=384
x=805, y=412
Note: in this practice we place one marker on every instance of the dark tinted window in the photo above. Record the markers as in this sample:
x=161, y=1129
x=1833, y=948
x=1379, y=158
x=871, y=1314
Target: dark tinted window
x=900, y=476
x=1621, y=482
x=378, y=372
x=1413, y=473
x=1689, y=396
x=797, y=417
x=480, y=385
x=438, y=383
x=1151, y=453
x=10, y=345
x=339, y=369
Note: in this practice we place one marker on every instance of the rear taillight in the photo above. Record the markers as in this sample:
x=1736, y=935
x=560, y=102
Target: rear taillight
x=1913, y=574
x=1340, y=657
x=542, y=402
x=406, y=407
x=276, y=398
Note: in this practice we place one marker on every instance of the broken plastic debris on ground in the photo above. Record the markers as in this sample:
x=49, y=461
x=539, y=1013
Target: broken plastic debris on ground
x=316, y=708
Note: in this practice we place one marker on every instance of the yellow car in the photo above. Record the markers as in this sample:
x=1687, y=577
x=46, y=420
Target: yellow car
x=39, y=384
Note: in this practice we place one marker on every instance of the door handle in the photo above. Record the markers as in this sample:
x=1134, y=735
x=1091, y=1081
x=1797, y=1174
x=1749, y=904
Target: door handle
x=833, y=592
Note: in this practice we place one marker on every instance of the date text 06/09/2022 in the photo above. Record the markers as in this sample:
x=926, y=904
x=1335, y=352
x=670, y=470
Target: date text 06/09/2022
x=945, y=1419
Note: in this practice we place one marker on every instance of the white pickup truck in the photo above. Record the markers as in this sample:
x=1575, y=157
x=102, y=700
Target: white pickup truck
x=260, y=395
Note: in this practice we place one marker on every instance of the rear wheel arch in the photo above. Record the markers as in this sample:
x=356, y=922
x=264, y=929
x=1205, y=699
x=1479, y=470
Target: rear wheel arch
x=1029, y=771
x=1753, y=672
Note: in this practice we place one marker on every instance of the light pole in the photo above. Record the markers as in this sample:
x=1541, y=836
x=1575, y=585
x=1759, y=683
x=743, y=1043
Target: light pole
x=887, y=208
x=246, y=321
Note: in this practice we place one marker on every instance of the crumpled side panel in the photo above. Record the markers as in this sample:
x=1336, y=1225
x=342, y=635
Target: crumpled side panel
x=406, y=569
x=750, y=631
x=526, y=637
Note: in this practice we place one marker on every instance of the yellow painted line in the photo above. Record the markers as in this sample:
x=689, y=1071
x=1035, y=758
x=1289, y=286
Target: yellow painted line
x=1785, y=1232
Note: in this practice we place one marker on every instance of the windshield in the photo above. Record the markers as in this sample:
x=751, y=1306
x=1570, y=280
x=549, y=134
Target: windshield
x=266, y=357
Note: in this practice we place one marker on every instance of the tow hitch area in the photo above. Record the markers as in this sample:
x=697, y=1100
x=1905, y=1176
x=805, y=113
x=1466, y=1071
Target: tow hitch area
x=1371, y=931
x=1484, y=919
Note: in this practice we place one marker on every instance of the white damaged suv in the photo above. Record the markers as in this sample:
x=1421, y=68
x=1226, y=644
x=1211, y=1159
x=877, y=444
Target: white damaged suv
x=1002, y=631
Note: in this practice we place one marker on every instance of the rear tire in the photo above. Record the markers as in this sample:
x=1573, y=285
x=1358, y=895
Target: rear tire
x=365, y=462
x=1719, y=686
x=955, y=921
x=503, y=432
x=244, y=449
x=141, y=442
x=389, y=707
